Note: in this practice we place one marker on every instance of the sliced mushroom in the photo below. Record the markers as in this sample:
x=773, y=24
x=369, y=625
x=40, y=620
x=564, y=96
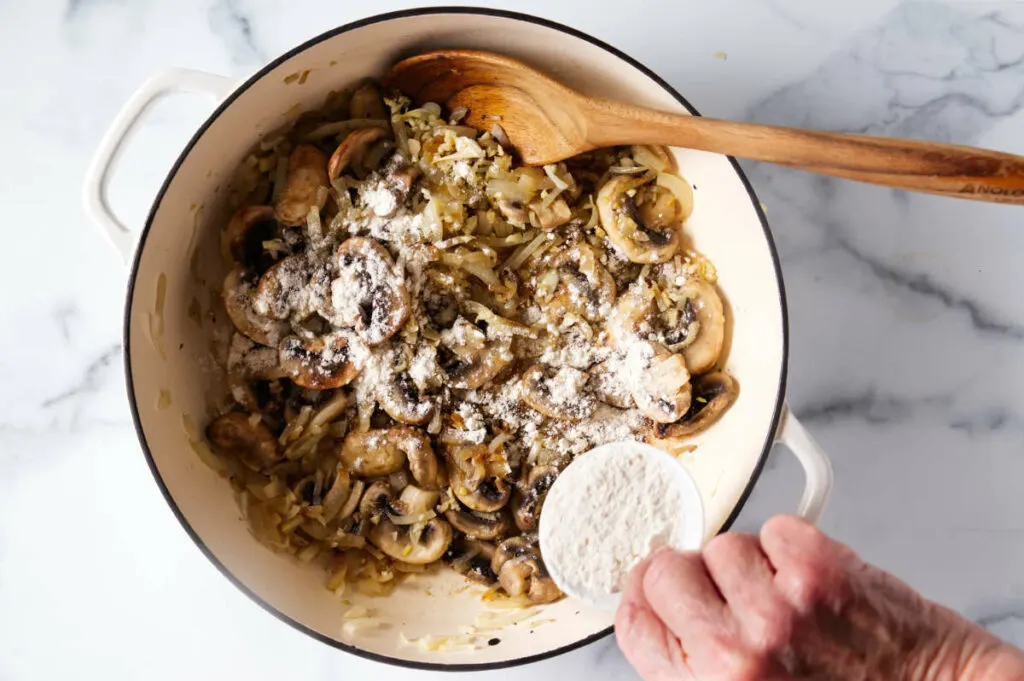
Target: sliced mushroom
x=529, y=498
x=248, y=363
x=662, y=390
x=678, y=327
x=310, y=489
x=422, y=461
x=584, y=286
x=642, y=219
x=560, y=393
x=554, y=214
x=606, y=384
x=242, y=240
x=630, y=319
x=417, y=500
x=470, y=482
x=468, y=358
x=384, y=451
x=472, y=558
x=475, y=525
x=307, y=173
x=352, y=149
x=416, y=543
x=402, y=401
x=515, y=210
x=368, y=294
x=379, y=502
x=713, y=393
x=521, y=571
x=282, y=291
x=441, y=294
x=367, y=102
x=703, y=353
x=318, y=364
x=247, y=438
x=238, y=293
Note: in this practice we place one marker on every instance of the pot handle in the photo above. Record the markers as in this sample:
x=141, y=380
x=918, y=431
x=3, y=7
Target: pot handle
x=816, y=465
x=97, y=177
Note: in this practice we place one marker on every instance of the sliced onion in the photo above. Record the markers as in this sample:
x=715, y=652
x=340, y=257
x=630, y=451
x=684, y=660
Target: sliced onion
x=413, y=519
x=523, y=253
x=681, y=189
x=460, y=130
x=398, y=480
x=342, y=128
x=498, y=133
x=549, y=170
x=352, y=502
x=330, y=411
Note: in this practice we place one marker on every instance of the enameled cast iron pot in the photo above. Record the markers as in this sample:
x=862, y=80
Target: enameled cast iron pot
x=176, y=267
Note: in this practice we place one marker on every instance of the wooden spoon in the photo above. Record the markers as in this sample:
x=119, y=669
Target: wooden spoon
x=547, y=122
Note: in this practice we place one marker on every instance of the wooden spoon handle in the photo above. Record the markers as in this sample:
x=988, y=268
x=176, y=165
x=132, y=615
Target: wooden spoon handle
x=947, y=169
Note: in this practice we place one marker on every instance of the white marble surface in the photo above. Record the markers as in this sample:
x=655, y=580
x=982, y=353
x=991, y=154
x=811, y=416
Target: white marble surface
x=906, y=313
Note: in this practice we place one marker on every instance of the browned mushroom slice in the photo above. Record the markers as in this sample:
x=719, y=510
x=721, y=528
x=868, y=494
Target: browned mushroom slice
x=468, y=358
x=642, y=219
x=713, y=393
x=529, y=498
x=384, y=451
x=486, y=526
x=607, y=385
x=368, y=294
x=282, y=292
x=520, y=571
x=397, y=541
x=238, y=293
x=662, y=389
x=584, y=286
x=705, y=350
x=352, y=149
x=402, y=401
x=472, y=559
x=367, y=102
x=242, y=240
x=554, y=214
x=442, y=291
x=560, y=394
x=397, y=534
x=246, y=437
x=249, y=363
x=630, y=319
x=515, y=210
x=307, y=174
x=470, y=482
x=318, y=364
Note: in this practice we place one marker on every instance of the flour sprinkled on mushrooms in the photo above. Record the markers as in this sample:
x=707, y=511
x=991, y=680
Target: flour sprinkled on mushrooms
x=427, y=333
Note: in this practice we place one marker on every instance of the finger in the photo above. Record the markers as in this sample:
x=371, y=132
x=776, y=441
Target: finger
x=633, y=590
x=745, y=577
x=810, y=568
x=648, y=645
x=680, y=592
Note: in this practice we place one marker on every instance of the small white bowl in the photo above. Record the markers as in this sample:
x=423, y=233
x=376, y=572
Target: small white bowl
x=687, y=531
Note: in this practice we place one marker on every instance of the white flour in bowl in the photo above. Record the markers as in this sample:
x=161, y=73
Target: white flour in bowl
x=609, y=510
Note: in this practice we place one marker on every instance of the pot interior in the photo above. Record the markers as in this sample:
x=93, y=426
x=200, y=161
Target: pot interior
x=174, y=312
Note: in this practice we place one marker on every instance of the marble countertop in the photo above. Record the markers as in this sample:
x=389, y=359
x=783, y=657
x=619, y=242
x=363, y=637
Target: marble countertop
x=906, y=314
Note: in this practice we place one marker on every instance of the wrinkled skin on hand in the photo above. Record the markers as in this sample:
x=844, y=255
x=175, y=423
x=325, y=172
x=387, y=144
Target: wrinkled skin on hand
x=794, y=604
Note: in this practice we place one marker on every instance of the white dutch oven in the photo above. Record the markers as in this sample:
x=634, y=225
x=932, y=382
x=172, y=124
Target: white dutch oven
x=176, y=272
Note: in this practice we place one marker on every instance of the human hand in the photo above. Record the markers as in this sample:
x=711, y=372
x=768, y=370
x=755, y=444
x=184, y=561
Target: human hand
x=789, y=604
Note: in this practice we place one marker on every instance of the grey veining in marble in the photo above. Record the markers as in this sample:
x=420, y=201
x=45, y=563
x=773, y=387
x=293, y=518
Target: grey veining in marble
x=907, y=321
